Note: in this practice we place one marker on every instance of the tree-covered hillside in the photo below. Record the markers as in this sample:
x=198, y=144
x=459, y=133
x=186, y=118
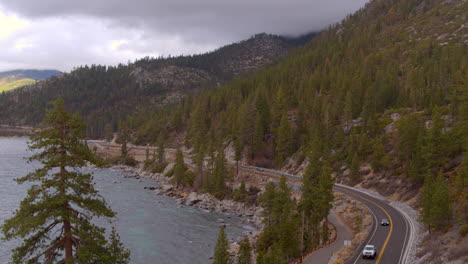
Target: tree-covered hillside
x=334, y=98
x=105, y=95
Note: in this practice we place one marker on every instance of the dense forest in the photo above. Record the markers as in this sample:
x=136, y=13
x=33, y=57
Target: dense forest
x=331, y=101
x=104, y=95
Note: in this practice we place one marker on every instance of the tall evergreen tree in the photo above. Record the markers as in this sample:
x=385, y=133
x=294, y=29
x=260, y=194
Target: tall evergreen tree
x=441, y=208
x=354, y=169
x=147, y=154
x=179, y=168
x=54, y=220
x=257, y=145
x=238, y=147
x=245, y=252
x=221, y=254
x=108, y=132
x=435, y=149
x=161, y=151
x=218, y=177
x=283, y=142
x=378, y=155
x=426, y=201
x=124, y=139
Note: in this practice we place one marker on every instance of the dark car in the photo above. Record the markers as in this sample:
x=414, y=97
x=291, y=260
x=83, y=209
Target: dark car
x=385, y=222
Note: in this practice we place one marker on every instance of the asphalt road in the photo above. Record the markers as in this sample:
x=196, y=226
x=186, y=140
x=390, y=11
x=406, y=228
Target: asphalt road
x=391, y=241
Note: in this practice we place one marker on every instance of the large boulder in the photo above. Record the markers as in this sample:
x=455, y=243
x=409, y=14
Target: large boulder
x=192, y=199
x=165, y=188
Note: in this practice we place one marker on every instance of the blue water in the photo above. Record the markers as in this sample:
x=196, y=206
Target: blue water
x=155, y=228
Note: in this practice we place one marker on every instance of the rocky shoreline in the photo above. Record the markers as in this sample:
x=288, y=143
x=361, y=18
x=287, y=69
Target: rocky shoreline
x=251, y=215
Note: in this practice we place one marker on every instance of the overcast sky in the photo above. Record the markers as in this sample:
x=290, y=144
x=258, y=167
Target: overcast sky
x=62, y=34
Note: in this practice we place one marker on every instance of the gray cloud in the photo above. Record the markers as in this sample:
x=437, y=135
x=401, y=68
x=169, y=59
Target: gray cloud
x=161, y=27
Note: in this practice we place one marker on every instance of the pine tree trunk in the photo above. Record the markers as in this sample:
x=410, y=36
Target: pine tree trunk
x=68, y=243
x=302, y=235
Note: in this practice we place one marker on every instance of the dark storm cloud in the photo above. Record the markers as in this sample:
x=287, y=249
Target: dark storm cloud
x=67, y=33
x=200, y=19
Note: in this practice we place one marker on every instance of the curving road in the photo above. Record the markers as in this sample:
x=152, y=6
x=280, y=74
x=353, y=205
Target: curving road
x=393, y=242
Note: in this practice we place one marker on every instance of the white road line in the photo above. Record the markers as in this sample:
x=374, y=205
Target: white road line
x=370, y=239
x=404, y=244
x=408, y=244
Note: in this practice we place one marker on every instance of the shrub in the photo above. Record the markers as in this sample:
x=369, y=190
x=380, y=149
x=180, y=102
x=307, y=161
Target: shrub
x=463, y=230
x=158, y=168
x=170, y=172
x=129, y=161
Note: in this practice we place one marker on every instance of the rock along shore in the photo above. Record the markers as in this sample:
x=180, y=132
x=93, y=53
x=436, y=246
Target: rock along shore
x=251, y=215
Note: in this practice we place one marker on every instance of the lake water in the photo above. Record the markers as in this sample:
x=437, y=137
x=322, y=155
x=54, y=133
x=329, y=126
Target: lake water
x=155, y=228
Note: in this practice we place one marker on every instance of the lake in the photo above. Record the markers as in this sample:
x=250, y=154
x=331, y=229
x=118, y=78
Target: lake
x=155, y=228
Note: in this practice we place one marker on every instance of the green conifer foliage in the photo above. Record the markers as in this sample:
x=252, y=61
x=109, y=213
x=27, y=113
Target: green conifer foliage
x=179, y=169
x=124, y=139
x=54, y=220
x=221, y=254
x=354, y=169
x=161, y=151
x=245, y=252
x=283, y=142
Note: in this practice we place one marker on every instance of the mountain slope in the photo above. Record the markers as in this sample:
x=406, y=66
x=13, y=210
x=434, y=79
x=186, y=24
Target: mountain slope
x=105, y=95
x=381, y=99
x=10, y=80
x=6, y=84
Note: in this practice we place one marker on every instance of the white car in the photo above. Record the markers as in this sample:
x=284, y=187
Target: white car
x=370, y=251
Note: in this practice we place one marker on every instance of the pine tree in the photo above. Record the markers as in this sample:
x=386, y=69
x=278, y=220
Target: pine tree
x=238, y=147
x=179, y=168
x=348, y=109
x=273, y=256
x=241, y=193
x=435, y=149
x=354, y=169
x=441, y=208
x=221, y=254
x=119, y=255
x=55, y=218
x=124, y=139
x=108, y=132
x=245, y=252
x=279, y=107
x=257, y=145
x=378, y=155
x=161, y=150
x=219, y=175
x=147, y=154
x=283, y=142
x=426, y=202
x=326, y=190
x=460, y=193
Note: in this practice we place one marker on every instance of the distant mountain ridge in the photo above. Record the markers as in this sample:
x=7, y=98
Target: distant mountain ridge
x=30, y=74
x=10, y=80
x=107, y=94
